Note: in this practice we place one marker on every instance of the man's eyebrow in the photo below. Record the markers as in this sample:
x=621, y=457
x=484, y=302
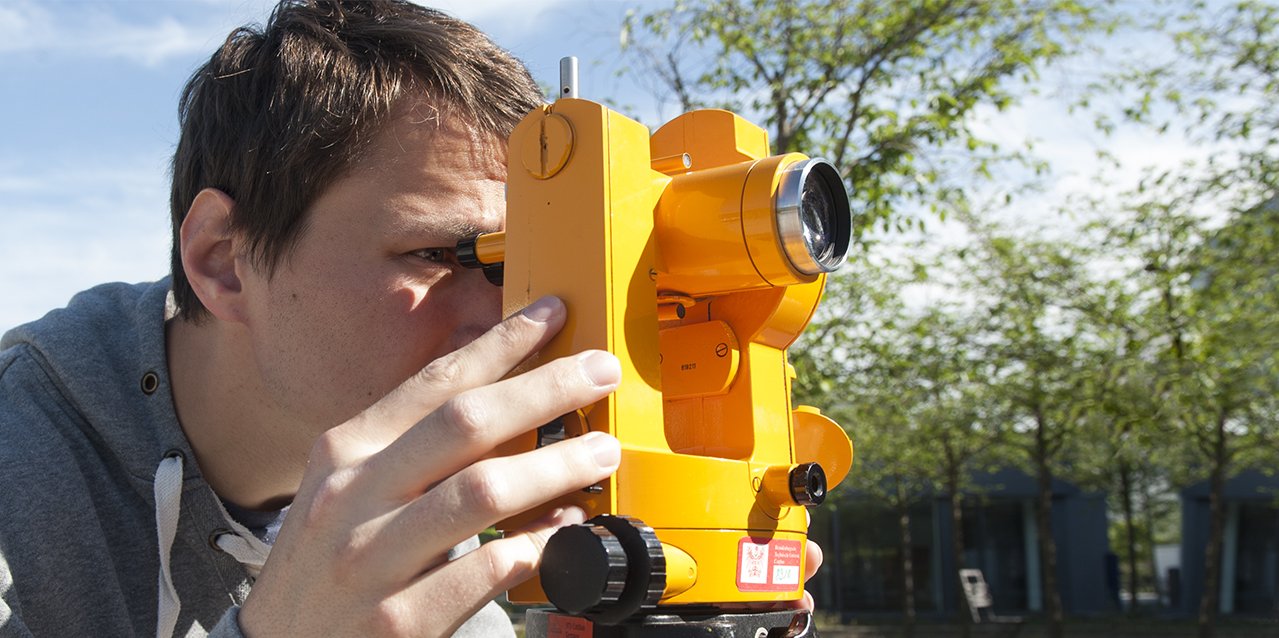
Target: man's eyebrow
x=466, y=228
x=448, y=230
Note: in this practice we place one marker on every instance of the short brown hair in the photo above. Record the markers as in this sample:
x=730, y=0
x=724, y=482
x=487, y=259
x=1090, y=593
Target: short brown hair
x=280, y=112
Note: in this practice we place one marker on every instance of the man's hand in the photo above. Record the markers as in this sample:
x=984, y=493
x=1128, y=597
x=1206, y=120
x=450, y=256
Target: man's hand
x=385, y=495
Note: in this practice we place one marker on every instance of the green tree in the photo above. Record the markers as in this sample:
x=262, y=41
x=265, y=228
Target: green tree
x=879, y=88
x=953, y=415
x=1031, y=290
x=1122, y=439
x=1204, y=233
x=893, y=471
x=1226, y=376
x=849, y=362
x=1208, y=299
x=908, y=384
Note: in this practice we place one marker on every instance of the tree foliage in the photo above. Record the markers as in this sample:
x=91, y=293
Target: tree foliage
x=879, y=88
x=1138, y=355
x=1204, y=235
x=907, y=385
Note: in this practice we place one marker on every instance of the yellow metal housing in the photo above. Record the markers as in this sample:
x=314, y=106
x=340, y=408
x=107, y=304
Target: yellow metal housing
x=663, y=251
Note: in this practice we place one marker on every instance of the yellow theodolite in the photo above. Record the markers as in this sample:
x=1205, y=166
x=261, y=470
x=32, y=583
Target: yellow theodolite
x=697, y=259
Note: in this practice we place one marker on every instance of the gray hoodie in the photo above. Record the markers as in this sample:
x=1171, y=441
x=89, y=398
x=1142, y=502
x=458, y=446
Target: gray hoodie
x=89, y=444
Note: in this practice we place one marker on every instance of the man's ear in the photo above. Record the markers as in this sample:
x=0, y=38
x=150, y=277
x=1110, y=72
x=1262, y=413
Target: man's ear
x=210, y=251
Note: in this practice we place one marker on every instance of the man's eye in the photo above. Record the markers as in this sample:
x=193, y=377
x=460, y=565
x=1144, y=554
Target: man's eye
x=440, y=255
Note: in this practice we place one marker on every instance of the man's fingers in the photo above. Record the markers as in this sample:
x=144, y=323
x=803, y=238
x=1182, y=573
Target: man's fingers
x=813, y=560
x=485, y=493
x=471, y=424
x=481, y=362
x=481, y=575
x=807, y=602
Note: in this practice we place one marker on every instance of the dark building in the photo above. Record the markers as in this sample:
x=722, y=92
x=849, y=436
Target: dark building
x=1250, y=545
x=861, y=538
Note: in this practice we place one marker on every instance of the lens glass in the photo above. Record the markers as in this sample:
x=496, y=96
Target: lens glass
x=817, y=213
x=812, y=212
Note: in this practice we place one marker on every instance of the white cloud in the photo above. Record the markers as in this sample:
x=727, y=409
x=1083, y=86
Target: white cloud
x=512, y=11
x=10, y=184
x=71, y=226
x=103, y=31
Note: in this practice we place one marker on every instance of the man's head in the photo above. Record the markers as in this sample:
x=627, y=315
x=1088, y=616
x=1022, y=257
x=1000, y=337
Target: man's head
x=279, y=114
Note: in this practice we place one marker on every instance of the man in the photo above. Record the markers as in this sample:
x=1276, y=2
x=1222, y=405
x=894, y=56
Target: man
x=321, y=354
x=325, y=351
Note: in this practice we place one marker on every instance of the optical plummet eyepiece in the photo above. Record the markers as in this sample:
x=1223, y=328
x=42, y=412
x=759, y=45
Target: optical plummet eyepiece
x=808, y=484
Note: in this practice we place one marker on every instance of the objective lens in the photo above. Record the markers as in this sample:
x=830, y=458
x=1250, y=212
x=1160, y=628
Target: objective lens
x=814, y=221
x=816, y=211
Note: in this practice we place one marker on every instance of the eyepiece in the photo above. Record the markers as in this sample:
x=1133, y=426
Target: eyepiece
x=808, y=484
x=814, y=221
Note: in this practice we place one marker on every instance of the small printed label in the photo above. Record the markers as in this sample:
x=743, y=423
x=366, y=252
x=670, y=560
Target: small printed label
x=768, y=565
x=558, y=626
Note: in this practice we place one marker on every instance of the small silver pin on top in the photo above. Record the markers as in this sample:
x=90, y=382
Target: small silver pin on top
x=568, y=76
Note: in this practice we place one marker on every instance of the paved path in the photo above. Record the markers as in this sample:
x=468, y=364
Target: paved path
x=1091, y=629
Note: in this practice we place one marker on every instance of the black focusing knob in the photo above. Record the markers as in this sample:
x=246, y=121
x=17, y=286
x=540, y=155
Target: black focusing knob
x=604, y=569
x=808, y=484
x=583, y=567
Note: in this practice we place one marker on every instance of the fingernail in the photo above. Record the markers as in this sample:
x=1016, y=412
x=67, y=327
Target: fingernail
x=541, y=310
x=606, y=450
x=601, y=368
x=571, y=515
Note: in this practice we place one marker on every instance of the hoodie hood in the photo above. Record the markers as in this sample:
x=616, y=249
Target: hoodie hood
x=109, y=528
x=103, y=354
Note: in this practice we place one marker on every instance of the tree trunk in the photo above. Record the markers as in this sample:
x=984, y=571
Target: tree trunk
x=1148, y=514
x=1130, y=525
x=1208, y=602
x=963, y=614
x=908, y=564
x=836, y=562
x=1047, y=546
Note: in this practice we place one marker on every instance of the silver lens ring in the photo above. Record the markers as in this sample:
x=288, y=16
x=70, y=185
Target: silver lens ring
x=814, y=220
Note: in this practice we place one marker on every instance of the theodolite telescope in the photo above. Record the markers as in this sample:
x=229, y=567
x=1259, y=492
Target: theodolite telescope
x=697, y=258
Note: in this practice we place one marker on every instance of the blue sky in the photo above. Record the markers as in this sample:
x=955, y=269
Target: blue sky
x=88, y=94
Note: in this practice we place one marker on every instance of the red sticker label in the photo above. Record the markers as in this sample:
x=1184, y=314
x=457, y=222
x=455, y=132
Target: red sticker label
x=558, y=626
x=768, y=565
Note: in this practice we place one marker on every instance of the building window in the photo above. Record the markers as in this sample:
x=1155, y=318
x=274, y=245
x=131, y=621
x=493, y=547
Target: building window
x=1257, y=563
x=871, y=557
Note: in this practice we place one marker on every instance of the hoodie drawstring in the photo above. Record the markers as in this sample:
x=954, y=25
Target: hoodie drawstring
x=168, y=504
x=240, y=543
x=243, y=545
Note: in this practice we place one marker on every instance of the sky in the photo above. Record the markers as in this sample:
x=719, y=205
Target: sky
x=88, y=99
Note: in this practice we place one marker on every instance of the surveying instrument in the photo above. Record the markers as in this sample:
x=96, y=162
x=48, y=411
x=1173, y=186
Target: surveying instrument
x=697, y=259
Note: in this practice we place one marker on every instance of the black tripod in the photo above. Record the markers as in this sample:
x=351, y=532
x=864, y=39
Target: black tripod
x=544, y=623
